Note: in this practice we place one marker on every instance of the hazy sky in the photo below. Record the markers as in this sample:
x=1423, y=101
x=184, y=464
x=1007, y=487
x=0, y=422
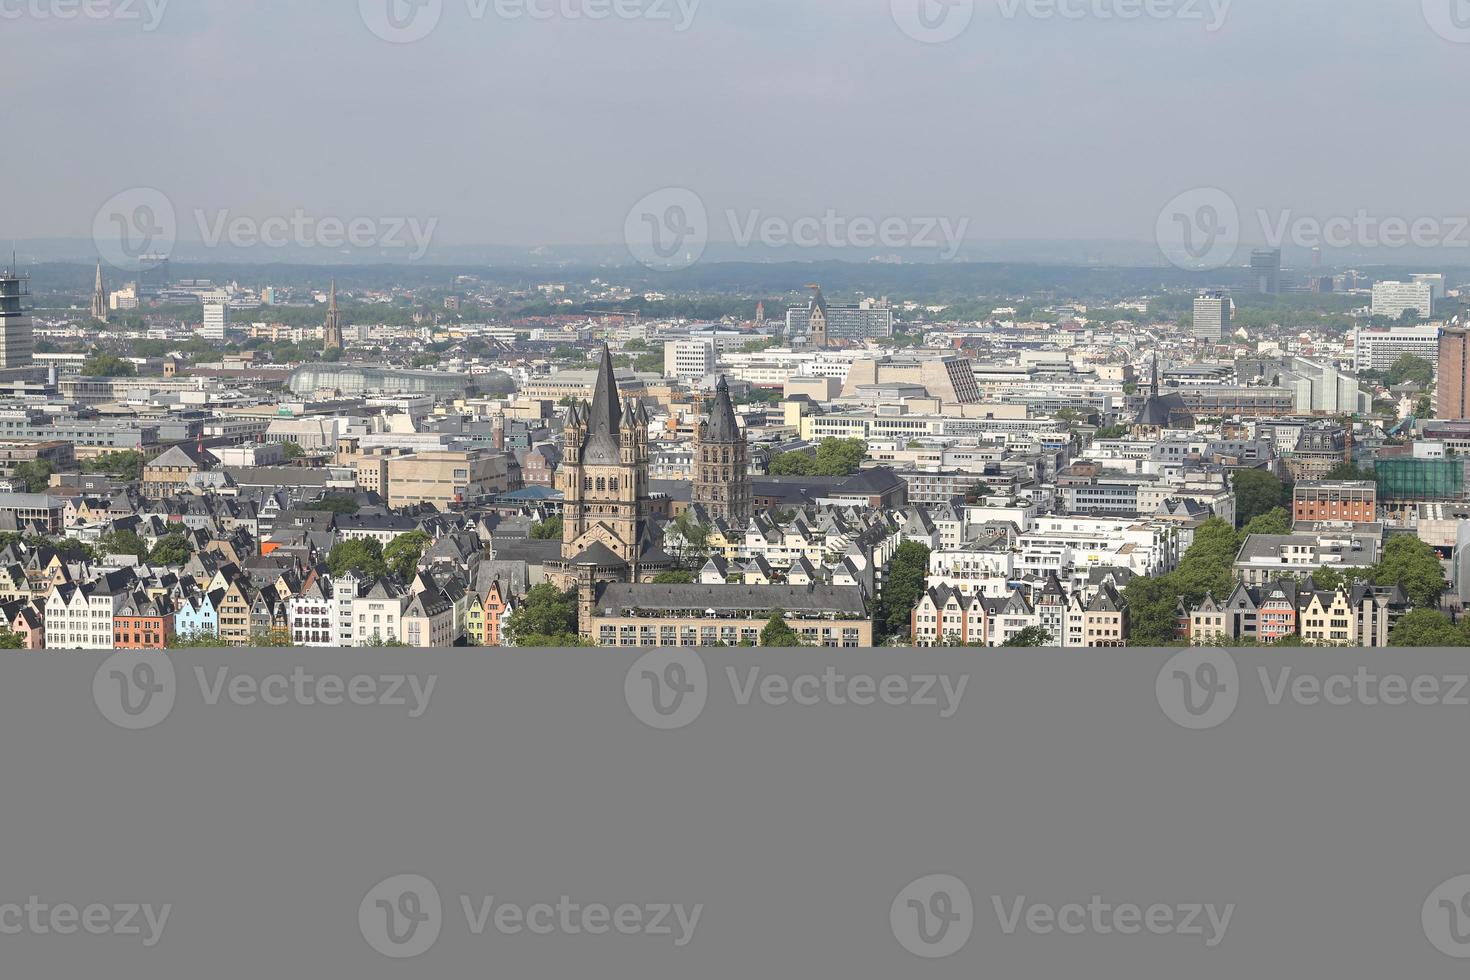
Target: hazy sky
x=514, y=130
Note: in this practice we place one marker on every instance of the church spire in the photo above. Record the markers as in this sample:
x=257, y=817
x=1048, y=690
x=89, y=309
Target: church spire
x=604, y=421
x=332, y=331
x=99, y=297
x=1154, y=385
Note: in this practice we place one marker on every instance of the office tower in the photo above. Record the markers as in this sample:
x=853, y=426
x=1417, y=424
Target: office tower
x=216, y=322
x=823, y=322
x=1211, y=315
x=99, y=297
x=1435, y=281
x=1377, y=348
x=1454, y=374
x=332, y=331
x=1266, y=270
x=1393, y=299
x=15, y=318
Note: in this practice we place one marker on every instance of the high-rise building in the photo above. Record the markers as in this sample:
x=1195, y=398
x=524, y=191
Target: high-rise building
x=722, y=463
x=332, y=331
x=99, y=297
x=1266, y=270
x=1393, y=299
x=15, y=319
x=824, y=323
x=1211, y=315
x=216, y=322
x=1435, y=281
x=1454, y=374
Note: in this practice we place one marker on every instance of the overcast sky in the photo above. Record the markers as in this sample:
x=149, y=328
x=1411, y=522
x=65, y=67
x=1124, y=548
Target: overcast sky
x=519, y=131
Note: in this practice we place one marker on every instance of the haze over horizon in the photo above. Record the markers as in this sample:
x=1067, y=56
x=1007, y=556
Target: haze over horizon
x=514, y=131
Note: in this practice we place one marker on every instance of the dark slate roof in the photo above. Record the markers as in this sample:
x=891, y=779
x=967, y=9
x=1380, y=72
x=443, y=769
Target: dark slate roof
x=723, y=426
x=604, y=424
x=759, y=599
x=528, y=550
x=600, y=555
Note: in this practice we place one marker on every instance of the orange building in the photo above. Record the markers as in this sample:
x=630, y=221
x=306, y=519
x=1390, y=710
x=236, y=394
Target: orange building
x=1335, y=500
x=142, y=623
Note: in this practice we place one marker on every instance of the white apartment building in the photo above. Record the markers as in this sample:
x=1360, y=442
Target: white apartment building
x=1211, y=315
x=216, y=322
x=973, y=571
x=690, y=359
x=377, y=616
x=1392, y=298
x=79, y=617
x=1071, y=544
x=1376, y=348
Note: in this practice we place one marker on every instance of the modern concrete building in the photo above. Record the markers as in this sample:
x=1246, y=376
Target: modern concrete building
x=1376, y=348
x=1211, y=315
x=1355, y=502
x=15, y=319
x=1392, y=298
x=447, y=477
x=947, y=377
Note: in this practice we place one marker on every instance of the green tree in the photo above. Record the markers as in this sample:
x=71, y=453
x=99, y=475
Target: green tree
x=690, y=541
x=122, y=543
x=777, y=634
x=1256, y=492
x=792, y=464
x=1410, y=369
x=34, y=474
x=364, y=556
x=10, y=641
x=548, y=530
x=335, y=504
x=204, y=641
x=674, y=578
x=172, y=549
x=903, y=586
x=1276, y=521
x=126, y=465
x=546, y=618
x=292, y=450
x=1031, y=636
x=403, y=553
x=1408, y=560
x=649, y=363
x=839, y=457
x=103, y=365
x=1152, y=603
x=978, y=492
x=1427, y=628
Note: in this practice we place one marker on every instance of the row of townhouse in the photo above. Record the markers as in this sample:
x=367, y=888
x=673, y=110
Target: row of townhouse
x=947, y=616
x=1356, y=615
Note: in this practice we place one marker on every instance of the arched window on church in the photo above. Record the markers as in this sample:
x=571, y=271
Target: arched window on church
x=612, y=484
x=586, y=483
x=601, y=483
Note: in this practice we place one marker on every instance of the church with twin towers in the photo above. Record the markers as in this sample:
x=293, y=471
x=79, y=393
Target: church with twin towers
x=608, y=533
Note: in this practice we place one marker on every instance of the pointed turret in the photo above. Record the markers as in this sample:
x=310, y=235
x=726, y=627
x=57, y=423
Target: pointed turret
x=604, y=422
x=723, y=427
x=99, y=297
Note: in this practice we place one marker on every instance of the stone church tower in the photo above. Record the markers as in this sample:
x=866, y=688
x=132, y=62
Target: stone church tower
x=603, y=478
x=721, y=468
